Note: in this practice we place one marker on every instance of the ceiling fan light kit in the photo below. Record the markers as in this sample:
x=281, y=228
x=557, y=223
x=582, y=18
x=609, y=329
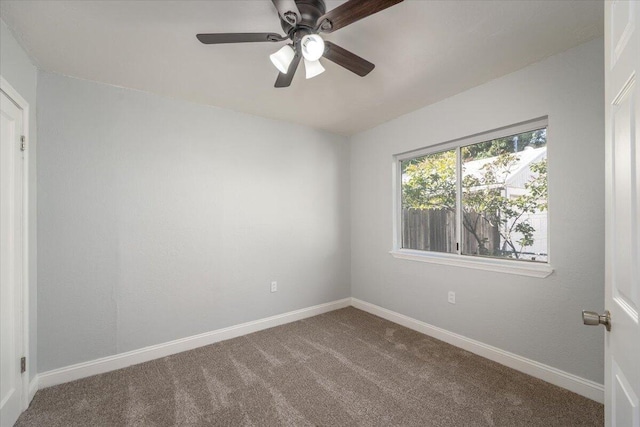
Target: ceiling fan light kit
x=282, y=58
x=312, y=47
x=302, y=20
x=312, y=68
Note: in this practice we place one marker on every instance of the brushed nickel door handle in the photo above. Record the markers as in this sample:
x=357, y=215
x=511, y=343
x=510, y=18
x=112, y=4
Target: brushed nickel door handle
x=592, y=318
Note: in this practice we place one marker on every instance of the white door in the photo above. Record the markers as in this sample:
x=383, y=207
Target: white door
x=622, y=274
x=10, y=261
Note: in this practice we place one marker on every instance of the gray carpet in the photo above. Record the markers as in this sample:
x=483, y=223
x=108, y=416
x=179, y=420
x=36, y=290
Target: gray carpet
x=346, y=367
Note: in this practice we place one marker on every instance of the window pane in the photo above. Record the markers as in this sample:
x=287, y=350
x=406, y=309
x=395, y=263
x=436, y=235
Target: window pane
x=504, y=197
x=429, y=202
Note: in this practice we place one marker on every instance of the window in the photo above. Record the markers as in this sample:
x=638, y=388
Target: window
x=483, y=197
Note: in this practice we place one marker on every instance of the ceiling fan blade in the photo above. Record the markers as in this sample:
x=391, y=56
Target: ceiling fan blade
x=346, y=59
x=218, y=38
x=284, y=80
x=350, y=12
x=288, y=10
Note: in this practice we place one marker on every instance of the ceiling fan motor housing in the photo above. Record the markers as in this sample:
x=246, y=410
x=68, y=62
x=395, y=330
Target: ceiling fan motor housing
x=310, y=12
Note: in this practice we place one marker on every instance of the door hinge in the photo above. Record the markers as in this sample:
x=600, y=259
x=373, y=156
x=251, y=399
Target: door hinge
x=23, y=365
x=23, y=143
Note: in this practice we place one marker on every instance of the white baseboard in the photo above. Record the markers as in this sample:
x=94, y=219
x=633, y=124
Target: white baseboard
x=584, y=387
x=33, y=388
x=574, y=383
x=122, y=360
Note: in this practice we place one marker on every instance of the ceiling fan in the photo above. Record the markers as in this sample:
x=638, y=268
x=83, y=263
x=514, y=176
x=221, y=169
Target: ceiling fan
x=302, y=20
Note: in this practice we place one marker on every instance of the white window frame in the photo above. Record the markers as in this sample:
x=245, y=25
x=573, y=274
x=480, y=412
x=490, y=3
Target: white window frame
x=458, y=259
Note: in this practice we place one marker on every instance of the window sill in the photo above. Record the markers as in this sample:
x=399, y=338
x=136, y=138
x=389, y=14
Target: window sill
x=521, y=268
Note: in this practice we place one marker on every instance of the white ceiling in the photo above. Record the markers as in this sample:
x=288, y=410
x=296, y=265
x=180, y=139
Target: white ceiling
x=424, y=51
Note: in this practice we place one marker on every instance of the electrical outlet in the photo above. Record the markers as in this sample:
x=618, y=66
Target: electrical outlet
x=274, y=286
x=451, y=297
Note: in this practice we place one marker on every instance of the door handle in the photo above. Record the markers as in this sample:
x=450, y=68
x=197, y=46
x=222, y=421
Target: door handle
x=592, y=318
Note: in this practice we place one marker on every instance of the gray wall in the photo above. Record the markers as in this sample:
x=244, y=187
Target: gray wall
x=17, y=68
x=162, y=219
x=536, y=318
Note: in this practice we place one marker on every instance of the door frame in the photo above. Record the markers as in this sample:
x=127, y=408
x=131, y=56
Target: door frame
x=24, y=106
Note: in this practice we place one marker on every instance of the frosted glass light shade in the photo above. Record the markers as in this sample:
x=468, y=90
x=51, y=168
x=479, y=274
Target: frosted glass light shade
x=313, y=68
x=282, y=58
x=312, y=47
